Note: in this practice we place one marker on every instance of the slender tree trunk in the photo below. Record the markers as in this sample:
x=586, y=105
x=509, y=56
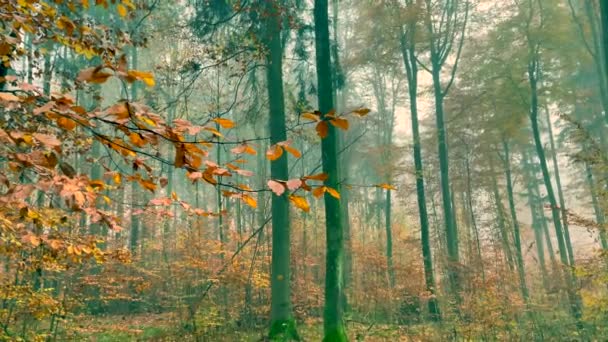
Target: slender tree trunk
x=515, y=223
x=504, y=236
x=604, y=20
x=282, y=324
x=537, y=218
x=599, y=215
x=334, y=329
x=558, y=184
x=575, y=305
x=411, y=68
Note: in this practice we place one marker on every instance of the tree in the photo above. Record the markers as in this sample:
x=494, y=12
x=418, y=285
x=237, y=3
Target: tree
x=442, y=37
x=408, y=36
x=333, y=324
x=282, y=324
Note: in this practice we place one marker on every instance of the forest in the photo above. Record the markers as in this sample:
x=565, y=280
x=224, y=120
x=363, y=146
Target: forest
x=303, y=170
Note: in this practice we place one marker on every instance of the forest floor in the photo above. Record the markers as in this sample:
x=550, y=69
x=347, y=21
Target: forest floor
x=164, y=327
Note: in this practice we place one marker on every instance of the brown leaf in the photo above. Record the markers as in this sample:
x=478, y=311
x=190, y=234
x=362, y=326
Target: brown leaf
x=322, y=129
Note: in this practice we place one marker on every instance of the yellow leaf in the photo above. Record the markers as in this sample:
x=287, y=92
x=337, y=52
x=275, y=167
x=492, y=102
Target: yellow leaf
x=250, y=201
x=340, y=123
x=300, y=202
x=174, y=195
x=117, y=178
x=332, y=192
x=224, y=123
x=386, y=186
x=107, y=200
x=274, y=152
x=122, y=10
x=322, y=129
x=144, y=76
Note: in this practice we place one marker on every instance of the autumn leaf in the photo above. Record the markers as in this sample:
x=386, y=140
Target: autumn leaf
x=8, y=97
x=294, y=152
x=137, y=139
x=224, y=123
x=117, y=178
x=122, y=10
x=47, y=139
x=322, y=129
x=311, y=116
x=300, y=202
x=31, y=239
x=294, y=184
x=361, y=111
x=244, y=148
x=318, y=192
x=67, y=124
x=333, y=192
x=274, y=152
x=340, y=123
x=148, y=185
x=244, y=173
x=386, y=186
x=276, y=187
x=250, y=201
x=93, y=75
x=319, y=177
x=146, y=77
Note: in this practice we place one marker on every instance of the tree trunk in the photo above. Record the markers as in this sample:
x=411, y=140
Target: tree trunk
x=282, y=324
x=411, y=68
x=560, y=193
x=516, y=235
x=334, y=329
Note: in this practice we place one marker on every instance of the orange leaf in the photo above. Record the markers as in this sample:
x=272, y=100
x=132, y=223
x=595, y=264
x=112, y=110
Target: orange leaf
x=66, y=123
x=274, y=152
x=122, y=10
x=340, y=123
x=320, y=177
x=300, y=202
x=148, y=185
x=332, y=192
x=8, y=97
x=386, y=186
x=250, y=201
x=311, y=116
x=225, y=123
x=322, y=129
x=244, y=148
x=146, y=77
x=137, y=139
x=293, y=151
x=318, y=192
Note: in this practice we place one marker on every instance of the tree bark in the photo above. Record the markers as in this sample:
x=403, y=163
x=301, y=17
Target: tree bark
x=333, y=324
x=282, y=323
